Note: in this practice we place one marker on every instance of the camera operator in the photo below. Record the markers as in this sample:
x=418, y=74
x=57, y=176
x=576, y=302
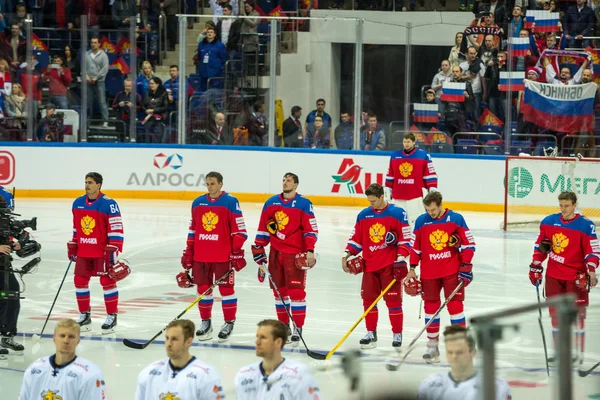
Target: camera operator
x=51, y=127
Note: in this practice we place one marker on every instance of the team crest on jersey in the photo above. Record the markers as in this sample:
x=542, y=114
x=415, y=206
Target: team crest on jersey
x=438, y=239
x=282, y=220
x=377, y=233
x=50, y=395
x=406, y=169
x=210, y=221
x=559, y=243
x=168, y=396
x=88, y=224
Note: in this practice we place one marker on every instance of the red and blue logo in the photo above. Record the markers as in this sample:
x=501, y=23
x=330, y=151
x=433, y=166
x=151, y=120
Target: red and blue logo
x=174, y=161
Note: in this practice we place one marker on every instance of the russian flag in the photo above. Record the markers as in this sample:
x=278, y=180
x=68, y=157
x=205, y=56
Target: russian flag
x=530, y=18
x=519, y=46
x=427, y=113
x=511, y=81
x=560, y=108
x=453, y=91
x=546, y=21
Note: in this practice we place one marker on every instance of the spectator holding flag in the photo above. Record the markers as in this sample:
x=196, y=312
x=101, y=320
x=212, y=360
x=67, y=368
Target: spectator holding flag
x=455, y=111
x=565, y=73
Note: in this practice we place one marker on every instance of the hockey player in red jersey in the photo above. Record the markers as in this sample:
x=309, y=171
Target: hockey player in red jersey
x=382, y=235
x=96, y=242
x=288, y=223
x=410, y=171
x=214, y=246
x=569, y=241
x=443, y=245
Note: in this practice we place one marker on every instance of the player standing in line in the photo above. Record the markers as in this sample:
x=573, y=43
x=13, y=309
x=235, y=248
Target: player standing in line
x=443, y=244
x=274, y=377
x=181, y=375
x=63, y=375
x=97, y=240
x=410, y=171
x=382, y=234
x=463, y=381
x=569, y=241
x=214, y=246
x=288, y=223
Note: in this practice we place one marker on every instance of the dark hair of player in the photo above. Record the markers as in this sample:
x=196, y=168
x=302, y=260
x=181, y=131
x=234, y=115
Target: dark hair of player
x=293, y=176
x=454, y=332
x=278, y=329
x=96, y=177
x=568, y=196
x=374, y=189
x=215, y=175
x=433, y=197
x=186, y=325
x=411, y=136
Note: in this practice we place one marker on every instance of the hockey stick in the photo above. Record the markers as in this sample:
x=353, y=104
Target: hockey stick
x=537, y=291
x=326, y=357
x=583, y=373
x=394, y=364
x=141, y=346
x=37, y=337
x=309, y=352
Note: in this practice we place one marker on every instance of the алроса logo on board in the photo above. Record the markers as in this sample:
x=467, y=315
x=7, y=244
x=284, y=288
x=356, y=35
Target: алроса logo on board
x=174, y=161
x=8, y=167
x=520, y=182
x=349, y=174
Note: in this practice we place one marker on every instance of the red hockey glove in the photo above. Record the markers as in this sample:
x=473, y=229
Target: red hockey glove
x=110, y=255
x=236, y=258
x=356, y=265
x=545, y=246
x=536, y=274
x=400, y=270
x=454, y=241
x=304, y=262
x=259, y=255
x=187, y=259
x=72, y=251
x=465, y=274
x=582, y=282
x=413, y=287
x=119, y=271
x=184, y=280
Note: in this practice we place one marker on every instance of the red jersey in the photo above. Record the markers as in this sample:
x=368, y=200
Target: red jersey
x=575, y=247
x=297, y=229
x=409, y=173
x=369, y=236
x=217, y=228
x=430, y=247
x=96, y=223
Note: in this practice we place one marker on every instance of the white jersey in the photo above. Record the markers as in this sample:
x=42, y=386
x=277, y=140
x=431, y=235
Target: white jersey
x=78, y=380
x=291, y=380
x=441, y=386
x=196, y=380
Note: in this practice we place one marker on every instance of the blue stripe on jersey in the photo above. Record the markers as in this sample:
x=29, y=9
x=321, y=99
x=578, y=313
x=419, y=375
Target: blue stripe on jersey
x=395, y=309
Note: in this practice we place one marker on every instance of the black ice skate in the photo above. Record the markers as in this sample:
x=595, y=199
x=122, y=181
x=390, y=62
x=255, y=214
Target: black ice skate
x=226, y=330
x=296, y=337
x=205, y=331
x=397, y=341
x=8, y=343
x=85, y=321
x=369, y=341
x=109, y=324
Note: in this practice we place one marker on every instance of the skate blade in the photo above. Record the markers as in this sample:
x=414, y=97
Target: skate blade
x=204, y=339
x=296, y=343
x=433, y=360
x=223, y=340
x=108, y=331
x=85, y=328
x=368, y=346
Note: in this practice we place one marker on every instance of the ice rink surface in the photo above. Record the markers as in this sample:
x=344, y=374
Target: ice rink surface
x=155, y=233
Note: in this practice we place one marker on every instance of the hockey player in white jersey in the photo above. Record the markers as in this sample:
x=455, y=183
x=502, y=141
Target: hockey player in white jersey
x=463, y=382
x=63, y=375
x=275, y=377
x=180, y=376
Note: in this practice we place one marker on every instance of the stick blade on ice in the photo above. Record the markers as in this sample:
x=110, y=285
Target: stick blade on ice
x=134, y=345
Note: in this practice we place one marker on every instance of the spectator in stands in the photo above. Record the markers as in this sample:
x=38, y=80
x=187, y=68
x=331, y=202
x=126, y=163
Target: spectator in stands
x=13, y=47
x=486, y=21
x=218, y=8
x=5, y=78
x=234, y=39
x=172, y=87
x=95, y=77
x=495, y=99
x=317, y=136
x=344, y=133
x=171, y=9
x=219, y=132
x=155, y=106
x=579, y=23
x=224, y=25
x=15, y=106
x=373, y=137
x=249, y=37
x=517, y=22
x=90, y=8
x=319, y=112
x=122, y=12
x=455, y=57
x=143, y=80
x=33, y=93
x=292, y=129
x=72, y=62
x=124, y=107
x=19, y=16
x=207, y=25
x=212, y=57
x=51, y=127
x=585, y=144
x=444, y=75
x=473, y=70
x=456, y=112
x=489, y=50
x=522, y=125
x=58, y=78
x=565, y=73
x=257, y=126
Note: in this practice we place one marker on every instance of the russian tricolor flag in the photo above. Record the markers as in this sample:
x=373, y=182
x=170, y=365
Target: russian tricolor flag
x=520, y=46
x=511, y=81
x=546, y=21
x=530, y=18
x=427, y=113
x=453, y=91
